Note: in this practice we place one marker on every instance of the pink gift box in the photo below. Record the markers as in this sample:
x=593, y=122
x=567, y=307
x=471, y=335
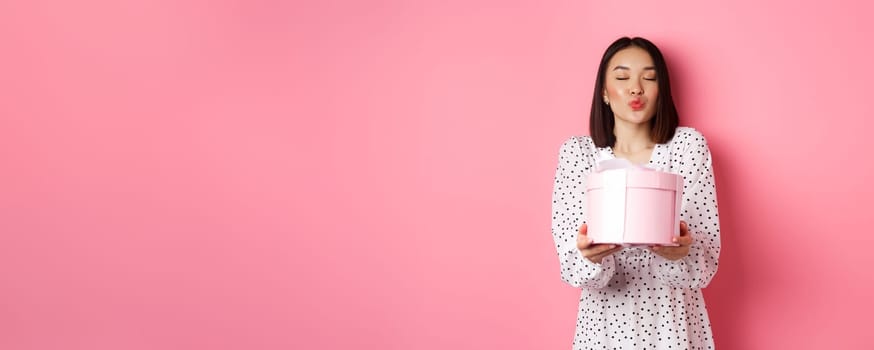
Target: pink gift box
x=633, y=205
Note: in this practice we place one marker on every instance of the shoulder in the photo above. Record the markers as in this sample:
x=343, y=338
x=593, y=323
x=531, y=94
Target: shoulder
x=577, y=152
x=691, y=149
x=687, y=137
x=688, y=134
x=577, y=146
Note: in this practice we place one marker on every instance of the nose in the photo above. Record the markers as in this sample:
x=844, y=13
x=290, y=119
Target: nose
x=636, y=90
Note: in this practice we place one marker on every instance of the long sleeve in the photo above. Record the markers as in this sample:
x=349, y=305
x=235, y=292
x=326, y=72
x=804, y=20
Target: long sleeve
x=568, y=213
x=699, y=210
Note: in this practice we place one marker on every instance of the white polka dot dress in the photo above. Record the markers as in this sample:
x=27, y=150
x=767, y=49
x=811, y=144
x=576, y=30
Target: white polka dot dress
x=635, y=299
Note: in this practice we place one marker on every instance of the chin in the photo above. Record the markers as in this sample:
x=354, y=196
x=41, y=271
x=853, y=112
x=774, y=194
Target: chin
x=637, y=119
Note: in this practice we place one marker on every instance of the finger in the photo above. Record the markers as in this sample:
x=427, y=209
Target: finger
x=597, y=249
x=666, y=249
x=614, y=250
x=604, y=248
x=583, y=241
x=684, y=229
x=685, y=240
x=608, y=252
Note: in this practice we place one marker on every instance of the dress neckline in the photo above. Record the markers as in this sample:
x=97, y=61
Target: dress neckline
x=608, y=153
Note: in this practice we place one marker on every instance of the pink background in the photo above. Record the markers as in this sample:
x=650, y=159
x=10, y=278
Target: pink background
x=332, y=175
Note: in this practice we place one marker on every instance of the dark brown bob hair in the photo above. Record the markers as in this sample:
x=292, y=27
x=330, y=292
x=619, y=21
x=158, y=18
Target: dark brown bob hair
x=665, y=121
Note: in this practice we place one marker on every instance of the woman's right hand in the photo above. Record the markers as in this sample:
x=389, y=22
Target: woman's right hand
x=594, y=252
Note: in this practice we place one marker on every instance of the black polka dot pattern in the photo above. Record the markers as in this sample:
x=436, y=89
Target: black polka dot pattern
x=635, y=299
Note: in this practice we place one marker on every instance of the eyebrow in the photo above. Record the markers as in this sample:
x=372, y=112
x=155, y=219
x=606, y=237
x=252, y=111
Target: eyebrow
x=626, y=68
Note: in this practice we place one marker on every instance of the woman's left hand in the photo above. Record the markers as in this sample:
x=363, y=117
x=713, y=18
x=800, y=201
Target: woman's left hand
x=678, y=252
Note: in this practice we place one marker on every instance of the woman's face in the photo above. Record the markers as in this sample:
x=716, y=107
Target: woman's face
x=630, y=85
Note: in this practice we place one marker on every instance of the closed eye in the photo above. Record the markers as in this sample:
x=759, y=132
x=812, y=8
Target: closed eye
x=650, y=79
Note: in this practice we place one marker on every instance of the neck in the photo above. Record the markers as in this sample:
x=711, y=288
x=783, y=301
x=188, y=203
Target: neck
x=631, y=138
